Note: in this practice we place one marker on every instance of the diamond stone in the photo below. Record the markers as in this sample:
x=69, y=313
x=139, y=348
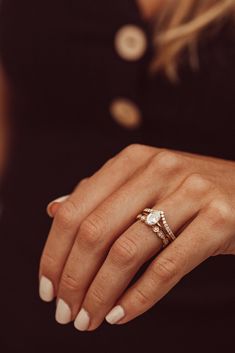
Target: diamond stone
x=153, y=218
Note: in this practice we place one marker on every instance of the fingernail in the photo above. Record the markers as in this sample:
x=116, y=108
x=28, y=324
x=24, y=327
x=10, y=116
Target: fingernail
x=82, y=320
x=50, y=205
x=63, y=313
x=46, y=290
x=115, y=314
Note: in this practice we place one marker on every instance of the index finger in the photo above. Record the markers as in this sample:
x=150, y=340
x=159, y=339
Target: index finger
x=78, y=206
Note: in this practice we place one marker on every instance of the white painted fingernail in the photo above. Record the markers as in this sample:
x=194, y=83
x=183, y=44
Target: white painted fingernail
x=46, y=290
x=60, y=199
x=116, y=314
x=82, y=320
x=63, y=313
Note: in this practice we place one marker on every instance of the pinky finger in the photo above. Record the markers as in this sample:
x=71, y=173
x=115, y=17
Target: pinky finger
x=194, y=245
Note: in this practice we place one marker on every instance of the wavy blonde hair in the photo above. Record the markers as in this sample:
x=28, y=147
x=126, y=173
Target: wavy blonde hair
x=180, y=25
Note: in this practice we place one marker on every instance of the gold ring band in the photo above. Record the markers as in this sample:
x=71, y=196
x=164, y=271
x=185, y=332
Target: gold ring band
x=157, y=221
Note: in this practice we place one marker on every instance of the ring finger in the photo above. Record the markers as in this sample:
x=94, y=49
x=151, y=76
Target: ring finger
x=133, y=248
x=100, y=230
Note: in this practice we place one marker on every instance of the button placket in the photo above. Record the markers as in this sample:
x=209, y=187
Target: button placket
x=126, y=113
x=130, y=42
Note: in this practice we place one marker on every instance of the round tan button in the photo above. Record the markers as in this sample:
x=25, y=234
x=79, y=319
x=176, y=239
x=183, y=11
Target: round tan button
x=130, y=42
x=126, y=113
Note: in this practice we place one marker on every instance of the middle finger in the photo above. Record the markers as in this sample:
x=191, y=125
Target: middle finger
x=103, y=226
x=132, y=249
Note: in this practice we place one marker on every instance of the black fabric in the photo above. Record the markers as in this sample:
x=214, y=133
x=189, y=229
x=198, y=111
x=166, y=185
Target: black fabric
x=64, y=72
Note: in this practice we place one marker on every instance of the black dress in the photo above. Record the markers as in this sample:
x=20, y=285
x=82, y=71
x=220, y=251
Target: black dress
x=79, y=77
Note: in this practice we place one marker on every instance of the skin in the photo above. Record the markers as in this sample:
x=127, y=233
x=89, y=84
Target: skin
x=149, y=8
x=95, y=246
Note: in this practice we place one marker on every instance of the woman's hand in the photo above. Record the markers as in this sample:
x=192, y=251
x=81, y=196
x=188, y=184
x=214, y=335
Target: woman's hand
x=95, y=247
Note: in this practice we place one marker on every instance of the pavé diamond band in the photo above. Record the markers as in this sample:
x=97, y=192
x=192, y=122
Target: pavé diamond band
x=157, y=221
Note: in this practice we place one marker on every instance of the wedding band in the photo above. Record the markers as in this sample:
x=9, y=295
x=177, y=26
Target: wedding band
x=157, y=221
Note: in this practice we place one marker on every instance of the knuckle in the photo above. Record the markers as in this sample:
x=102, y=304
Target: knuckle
x=69, y=283
x=141, y=297
x=132, y=152
x=132, y=149
x=196, y=183
x=165, y=269
x=220, y=212
x=48, y=263
x=167, y=160
x=66, y=214
x=91, y=231
x=110, y=161
x=124, y=251
x=129, y=153
x=96, y=296
x=83, y=181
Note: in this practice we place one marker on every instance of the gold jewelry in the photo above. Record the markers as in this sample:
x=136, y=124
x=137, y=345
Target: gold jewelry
x=157, y=221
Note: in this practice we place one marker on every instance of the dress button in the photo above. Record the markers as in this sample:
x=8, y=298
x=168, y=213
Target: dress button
x=130, y=42
x=126, y=113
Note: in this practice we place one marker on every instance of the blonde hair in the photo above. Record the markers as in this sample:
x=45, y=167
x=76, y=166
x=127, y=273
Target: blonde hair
x=179, y=26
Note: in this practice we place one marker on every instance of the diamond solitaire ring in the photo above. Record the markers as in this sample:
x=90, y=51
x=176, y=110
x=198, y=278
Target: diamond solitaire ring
x=157, y=221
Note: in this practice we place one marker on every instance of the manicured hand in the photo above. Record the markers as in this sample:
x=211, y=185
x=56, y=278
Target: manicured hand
x=95, y=245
